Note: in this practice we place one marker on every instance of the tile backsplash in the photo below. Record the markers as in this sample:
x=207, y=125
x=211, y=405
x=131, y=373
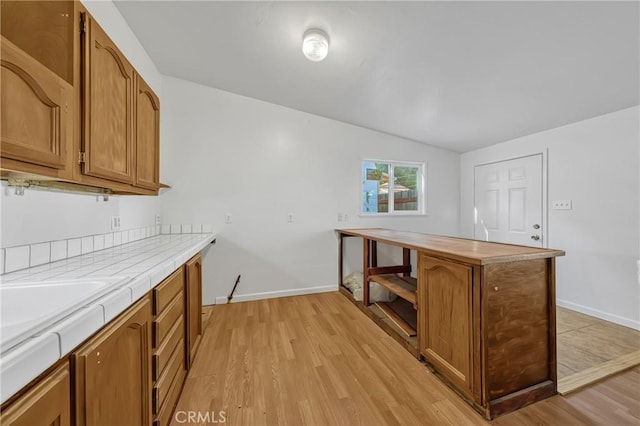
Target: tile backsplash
x=26, y=256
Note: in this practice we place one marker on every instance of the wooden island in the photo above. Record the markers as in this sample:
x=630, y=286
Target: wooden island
x=482, y=314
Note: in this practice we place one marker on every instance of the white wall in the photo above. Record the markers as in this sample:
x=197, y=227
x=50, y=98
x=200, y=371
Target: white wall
x=595, y=163
x=44, y=216
x=224, y=153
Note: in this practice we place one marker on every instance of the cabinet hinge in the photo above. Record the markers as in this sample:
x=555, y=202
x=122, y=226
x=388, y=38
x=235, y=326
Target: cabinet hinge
x=82, y=158
x=83, y=24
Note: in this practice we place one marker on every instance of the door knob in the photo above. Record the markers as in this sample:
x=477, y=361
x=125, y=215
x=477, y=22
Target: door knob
x=536, y=226
x=535, y=237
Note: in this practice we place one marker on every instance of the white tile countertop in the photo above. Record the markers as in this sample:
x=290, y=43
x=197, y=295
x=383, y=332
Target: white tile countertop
x=112, y=280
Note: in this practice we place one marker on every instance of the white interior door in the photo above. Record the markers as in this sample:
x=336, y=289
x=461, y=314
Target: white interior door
x=508, y=201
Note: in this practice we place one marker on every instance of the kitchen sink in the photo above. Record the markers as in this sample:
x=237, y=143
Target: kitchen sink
x=28, y=308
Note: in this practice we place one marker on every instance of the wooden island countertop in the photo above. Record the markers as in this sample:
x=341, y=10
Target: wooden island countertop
x=470, y=251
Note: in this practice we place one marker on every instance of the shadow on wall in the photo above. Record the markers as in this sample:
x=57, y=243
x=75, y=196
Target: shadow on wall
x=270, y=270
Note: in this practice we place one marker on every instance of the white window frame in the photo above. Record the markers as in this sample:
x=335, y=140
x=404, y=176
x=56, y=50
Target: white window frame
x=422, y=196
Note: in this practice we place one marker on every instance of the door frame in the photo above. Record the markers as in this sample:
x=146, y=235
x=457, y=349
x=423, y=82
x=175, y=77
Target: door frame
x=545, y=182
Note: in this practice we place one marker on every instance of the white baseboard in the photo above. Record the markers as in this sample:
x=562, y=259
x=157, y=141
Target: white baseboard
x=627, y=322
x=279, y=293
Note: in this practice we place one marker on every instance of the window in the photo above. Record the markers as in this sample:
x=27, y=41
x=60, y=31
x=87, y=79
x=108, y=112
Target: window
x=390, y=187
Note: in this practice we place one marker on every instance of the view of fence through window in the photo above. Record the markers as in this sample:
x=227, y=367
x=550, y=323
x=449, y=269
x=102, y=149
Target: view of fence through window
x=386, y=184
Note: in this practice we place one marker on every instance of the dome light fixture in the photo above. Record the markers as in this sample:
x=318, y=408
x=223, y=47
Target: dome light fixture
x=315, y=45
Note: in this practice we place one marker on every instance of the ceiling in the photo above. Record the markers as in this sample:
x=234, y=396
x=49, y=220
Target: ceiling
x=458, y=75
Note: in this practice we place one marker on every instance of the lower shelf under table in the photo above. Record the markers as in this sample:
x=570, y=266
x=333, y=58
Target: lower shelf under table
x=410, y=343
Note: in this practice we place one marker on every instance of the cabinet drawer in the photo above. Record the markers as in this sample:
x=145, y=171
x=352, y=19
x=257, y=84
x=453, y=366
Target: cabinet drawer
x=163, y=384
x=164, y=292
x=165, y=321
x=166, y=410
x=162, y=355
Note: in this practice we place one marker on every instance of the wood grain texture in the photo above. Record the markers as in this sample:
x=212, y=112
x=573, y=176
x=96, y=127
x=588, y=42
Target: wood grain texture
x=404, y=287
x=47, y=403
x=318, y=360
x=445, y=319
x=37, y=110
x=410, y=343
x=163, y=418
x=405, y=321
x=193, y=308
x=113, y=371
x=147, y=142
x=582, y=378
x=167, y=290
x=517, y=326
x=163, y=353
x=44, y=30
x=586, y=343
x=162, y=386
x=163, y=323
x=460, y=249
x=108, y=108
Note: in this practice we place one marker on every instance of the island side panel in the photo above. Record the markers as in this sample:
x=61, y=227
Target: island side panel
x=553, y=350
x=518, y=326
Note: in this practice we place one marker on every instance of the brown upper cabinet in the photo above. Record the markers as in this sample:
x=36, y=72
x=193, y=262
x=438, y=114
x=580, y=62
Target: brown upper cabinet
x=37, y=86
x=73, y=108
x=107, y=107
x=147, y=171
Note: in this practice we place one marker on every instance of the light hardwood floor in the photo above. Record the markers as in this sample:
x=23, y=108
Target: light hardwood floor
x=318, y=360
x=590, y=349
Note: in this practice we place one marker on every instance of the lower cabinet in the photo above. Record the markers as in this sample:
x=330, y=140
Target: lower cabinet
x=445, y=300
x=169, y=368
x=193, y=297
x=47, y=403
x=113, y=371
x=489, y=330
x=131, y=372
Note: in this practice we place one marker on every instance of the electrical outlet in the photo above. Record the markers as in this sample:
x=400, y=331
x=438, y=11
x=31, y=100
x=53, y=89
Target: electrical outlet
x=289, y=217
x=346, y=218
x=158, y=219
x=340, y=217
x=227, y=218
x=561, y=205
x=115, y=223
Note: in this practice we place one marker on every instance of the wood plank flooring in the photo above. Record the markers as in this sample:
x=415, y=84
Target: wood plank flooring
x=318, y=360
x=590, y=349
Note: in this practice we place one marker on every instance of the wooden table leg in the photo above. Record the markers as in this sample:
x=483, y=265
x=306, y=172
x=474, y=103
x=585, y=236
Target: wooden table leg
x=406, y=261
x=366, y=253
x=340, y=259
x=374, y=254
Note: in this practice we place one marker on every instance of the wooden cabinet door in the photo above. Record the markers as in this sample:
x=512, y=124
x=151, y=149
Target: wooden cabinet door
x=194, y=308
x=47, y=403
x=36, y=110
x=112, y=372
x=108, y=107
x=147, y=136
x=445, y=315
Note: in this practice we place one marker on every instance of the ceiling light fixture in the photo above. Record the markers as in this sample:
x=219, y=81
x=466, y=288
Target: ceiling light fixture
x=315, y=45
